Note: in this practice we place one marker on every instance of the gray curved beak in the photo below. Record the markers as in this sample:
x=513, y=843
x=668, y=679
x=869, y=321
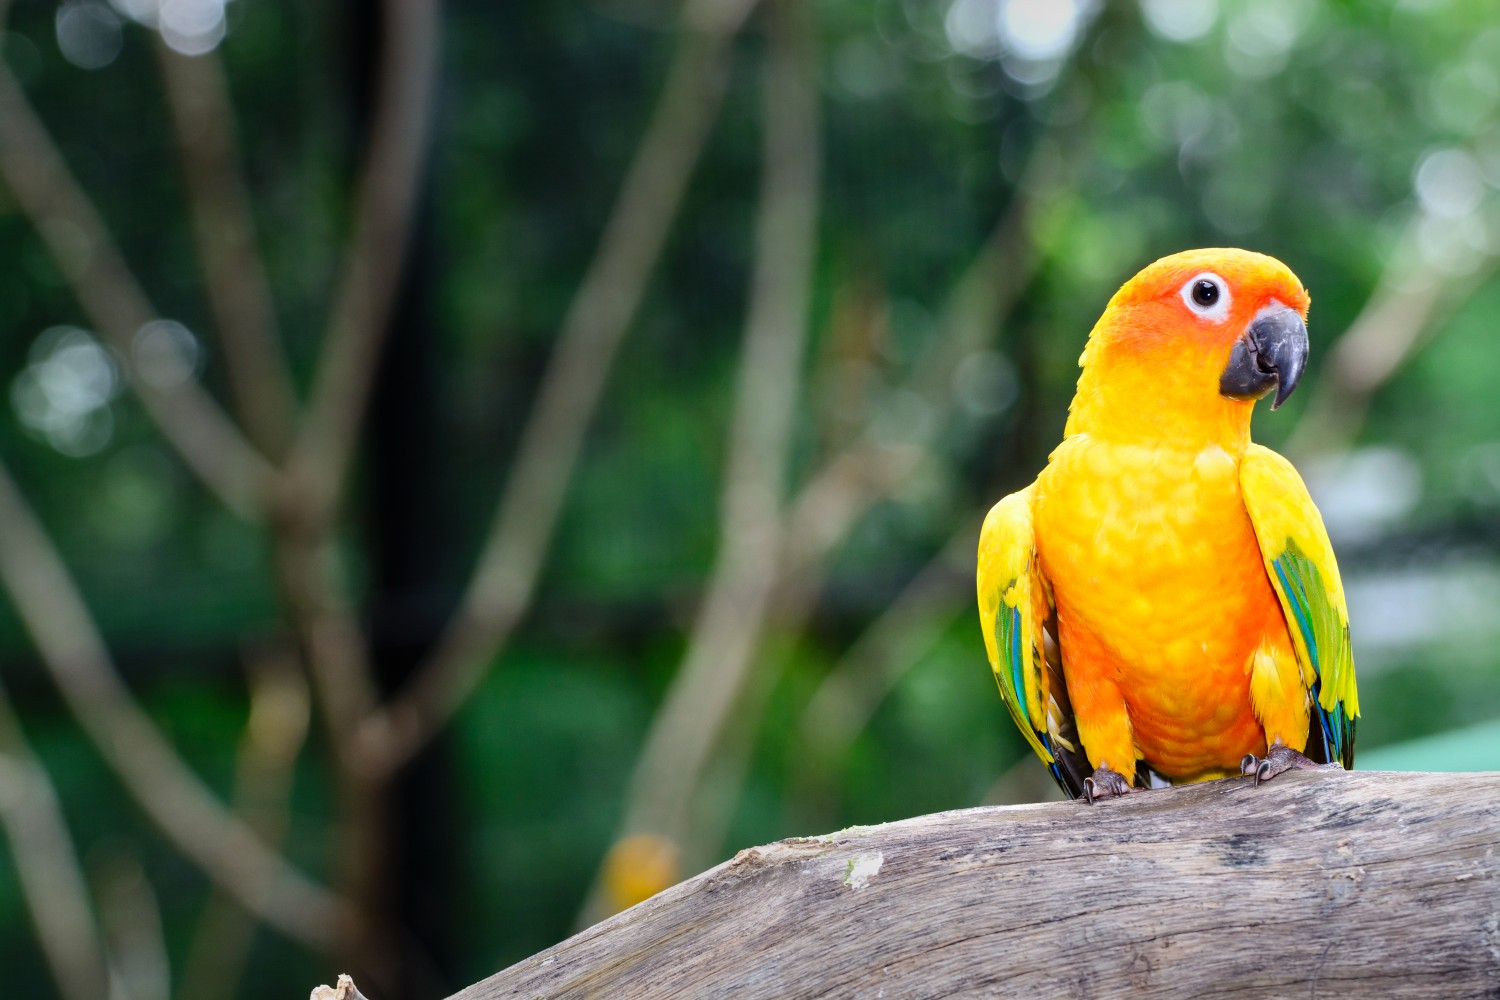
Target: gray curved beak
x=1270, y=354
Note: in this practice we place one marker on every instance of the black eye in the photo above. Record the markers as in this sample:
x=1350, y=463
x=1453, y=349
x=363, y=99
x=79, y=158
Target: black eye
x=1207, y=295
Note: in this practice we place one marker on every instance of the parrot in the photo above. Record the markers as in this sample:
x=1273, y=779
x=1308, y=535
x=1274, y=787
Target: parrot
x=1161, y=605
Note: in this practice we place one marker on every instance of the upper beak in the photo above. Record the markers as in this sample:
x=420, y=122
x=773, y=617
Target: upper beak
x=1271, y=353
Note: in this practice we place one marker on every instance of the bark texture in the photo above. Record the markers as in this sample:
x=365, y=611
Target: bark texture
x=1316, y=884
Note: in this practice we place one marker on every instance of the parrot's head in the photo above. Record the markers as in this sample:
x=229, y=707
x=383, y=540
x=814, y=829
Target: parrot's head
x=1186, y=347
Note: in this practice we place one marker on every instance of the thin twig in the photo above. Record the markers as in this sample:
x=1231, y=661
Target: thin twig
x=831, y=502
x=867, y=469
x=1407, y=306
x=333, y=645
x=385, y=207
x=175, y=799
x=224, y=231
x=130, y=915
x=798, y=589
x=114, y=303
x=274, y=734
x=520, y=532
x=52, y=882
x=727, y=631
x=902, y=635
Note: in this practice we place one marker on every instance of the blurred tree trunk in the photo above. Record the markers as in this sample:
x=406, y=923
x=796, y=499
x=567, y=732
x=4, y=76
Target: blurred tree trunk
x=409, y=886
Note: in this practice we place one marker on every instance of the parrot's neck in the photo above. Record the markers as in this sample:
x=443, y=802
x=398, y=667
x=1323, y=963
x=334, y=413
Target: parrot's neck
x=1131, y=400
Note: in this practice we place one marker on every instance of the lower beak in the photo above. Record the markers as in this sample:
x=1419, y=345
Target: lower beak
x=1270, y=354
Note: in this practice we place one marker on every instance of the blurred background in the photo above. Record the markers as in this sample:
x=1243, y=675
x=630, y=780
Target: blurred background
x=465, y=467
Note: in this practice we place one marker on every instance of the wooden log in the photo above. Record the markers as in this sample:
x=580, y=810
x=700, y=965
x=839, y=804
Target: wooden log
x=1316, y=884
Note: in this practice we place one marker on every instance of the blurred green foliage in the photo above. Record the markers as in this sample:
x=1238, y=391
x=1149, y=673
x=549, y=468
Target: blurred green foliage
x=1358, y=142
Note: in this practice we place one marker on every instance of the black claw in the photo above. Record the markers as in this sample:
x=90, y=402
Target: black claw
x=1104, y=783
x=1278, y=759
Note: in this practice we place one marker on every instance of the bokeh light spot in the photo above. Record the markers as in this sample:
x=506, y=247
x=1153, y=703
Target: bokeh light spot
x=1040, y=29
x=985, y=383
x=1180, y=20
x=164, y=353
x=1031, y=37
x=972, y=29
x=63, y=394
x=191, y=27
x=1261, y=36
x=88, y=34
x=1449, y=183
x=1365, y=492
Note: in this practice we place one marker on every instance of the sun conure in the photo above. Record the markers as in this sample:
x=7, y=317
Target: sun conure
x=1162, y=604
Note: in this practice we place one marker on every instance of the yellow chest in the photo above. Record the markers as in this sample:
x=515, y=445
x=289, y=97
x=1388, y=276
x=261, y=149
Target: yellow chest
x=1161, y=595
x=1150, y=550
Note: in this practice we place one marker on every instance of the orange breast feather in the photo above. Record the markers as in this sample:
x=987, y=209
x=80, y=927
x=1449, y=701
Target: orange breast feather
x=1162, y=603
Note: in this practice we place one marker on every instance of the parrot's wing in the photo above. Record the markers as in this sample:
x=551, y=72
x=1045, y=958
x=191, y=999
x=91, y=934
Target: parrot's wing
x=1015, y=612
x=1299, y=561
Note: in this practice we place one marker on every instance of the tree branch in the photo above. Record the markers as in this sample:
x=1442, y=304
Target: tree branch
x=727, y=630
x=726, y=633
x=173, y=797
x=333, y=644
x=376, y=253
x=52, y=883
x=115, y=305
x=1307, y=885
x=280, y=706
x=130, y=916
x=224, y=231
x=520, y=532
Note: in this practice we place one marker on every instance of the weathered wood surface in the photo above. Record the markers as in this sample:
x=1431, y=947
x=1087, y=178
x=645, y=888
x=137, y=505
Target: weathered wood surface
x=1316, y=884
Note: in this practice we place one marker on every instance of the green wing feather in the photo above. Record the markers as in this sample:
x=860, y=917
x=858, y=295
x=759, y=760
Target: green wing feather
x=1299, y=561
x=1012, y=604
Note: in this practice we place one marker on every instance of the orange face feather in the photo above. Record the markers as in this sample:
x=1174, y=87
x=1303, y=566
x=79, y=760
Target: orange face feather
x=1152, y=365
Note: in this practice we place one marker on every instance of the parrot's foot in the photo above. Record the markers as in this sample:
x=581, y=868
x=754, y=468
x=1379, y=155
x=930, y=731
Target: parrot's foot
x=1104, y=782
x=1278, y=759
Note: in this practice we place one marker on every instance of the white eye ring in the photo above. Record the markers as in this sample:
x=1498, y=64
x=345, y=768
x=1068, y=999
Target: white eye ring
x=1211, y=305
